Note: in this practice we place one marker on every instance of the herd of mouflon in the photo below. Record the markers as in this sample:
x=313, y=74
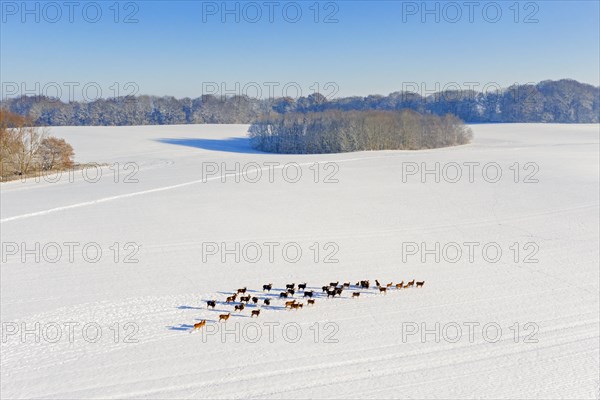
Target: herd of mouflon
x=239, y=299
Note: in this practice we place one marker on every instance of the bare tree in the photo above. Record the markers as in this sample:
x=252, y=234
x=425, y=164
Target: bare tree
x=26, y=149
x=55, y=153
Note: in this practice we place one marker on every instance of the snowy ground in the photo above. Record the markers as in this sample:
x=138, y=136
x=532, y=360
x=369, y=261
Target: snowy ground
x=541, y=319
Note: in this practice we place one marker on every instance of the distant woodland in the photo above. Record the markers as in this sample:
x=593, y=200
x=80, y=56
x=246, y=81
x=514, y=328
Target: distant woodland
x=564, y=101
x=312, y=124
x=335, y=131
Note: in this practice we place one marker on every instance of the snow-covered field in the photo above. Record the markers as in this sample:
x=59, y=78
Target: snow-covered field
x=524, y=324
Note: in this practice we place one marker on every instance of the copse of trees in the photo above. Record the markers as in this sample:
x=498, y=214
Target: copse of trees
x=335, y=131
x=564, y=101
x=27, y=150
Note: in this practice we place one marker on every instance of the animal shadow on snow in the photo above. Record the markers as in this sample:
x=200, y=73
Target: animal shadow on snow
x=187, y=327
x=217, y=310
x=274, y=308
x=181, y=327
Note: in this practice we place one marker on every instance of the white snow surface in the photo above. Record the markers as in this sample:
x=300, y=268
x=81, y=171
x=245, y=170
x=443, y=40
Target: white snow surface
x=363, y=349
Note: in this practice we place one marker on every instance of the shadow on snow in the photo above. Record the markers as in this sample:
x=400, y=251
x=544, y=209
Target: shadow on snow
x=230, y=145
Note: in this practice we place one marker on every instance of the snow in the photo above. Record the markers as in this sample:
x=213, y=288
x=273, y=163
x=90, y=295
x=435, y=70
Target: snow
x=548, y=311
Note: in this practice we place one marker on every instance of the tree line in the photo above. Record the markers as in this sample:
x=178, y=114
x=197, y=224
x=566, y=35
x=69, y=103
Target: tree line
x=26, y=150
x=335, y=131
x=564, y=101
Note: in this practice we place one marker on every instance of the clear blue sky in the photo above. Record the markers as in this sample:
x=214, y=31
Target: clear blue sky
x=176, y=46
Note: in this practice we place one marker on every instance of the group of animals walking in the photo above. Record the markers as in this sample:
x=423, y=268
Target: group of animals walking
x=332, y=289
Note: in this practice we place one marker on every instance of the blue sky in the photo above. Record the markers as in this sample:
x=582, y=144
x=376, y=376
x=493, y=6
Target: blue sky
x=180, y=48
